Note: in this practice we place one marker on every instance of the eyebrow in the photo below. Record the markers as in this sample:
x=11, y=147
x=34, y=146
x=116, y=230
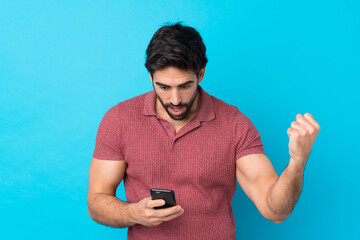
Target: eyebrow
x=183, y=84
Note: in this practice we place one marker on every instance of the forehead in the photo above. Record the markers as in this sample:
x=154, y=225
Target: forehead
x=173, y=76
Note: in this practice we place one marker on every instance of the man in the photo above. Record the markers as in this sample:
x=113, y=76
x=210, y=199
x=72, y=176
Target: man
x=179, y=137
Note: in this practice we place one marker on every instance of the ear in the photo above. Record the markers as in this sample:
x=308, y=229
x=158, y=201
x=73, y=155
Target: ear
x=150, y=77
x=201, y=75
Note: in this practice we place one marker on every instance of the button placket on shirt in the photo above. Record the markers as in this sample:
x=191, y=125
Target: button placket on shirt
x=168, y=128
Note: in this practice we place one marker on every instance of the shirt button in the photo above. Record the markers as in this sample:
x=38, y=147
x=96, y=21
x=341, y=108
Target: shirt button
x=167, y=126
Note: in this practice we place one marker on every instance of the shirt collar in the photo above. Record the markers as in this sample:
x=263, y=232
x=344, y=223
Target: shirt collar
x=205, y=112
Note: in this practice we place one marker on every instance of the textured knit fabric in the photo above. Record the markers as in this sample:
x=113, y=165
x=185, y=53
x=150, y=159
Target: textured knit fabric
x=198, y=162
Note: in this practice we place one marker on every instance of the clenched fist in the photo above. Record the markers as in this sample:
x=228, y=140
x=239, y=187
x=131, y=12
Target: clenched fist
x=302, y=134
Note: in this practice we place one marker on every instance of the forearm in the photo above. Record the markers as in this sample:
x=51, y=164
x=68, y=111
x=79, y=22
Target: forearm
x=110, y=211
x=285, y=192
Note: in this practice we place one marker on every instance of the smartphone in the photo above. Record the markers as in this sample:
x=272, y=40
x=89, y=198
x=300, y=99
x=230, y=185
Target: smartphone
x=166, y=194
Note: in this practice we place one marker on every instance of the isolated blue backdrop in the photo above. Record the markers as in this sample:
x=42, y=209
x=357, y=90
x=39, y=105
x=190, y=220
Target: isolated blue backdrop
x=63, y=64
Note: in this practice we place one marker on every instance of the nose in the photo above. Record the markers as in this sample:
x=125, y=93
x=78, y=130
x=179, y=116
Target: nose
x=175, y=97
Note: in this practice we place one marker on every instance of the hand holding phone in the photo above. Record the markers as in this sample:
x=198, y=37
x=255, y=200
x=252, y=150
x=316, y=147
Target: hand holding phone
x=166, y=194
x=144, y=212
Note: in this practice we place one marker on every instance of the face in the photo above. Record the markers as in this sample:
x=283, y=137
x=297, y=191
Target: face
x=177, y=91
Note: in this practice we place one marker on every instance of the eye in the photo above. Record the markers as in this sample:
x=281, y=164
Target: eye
x=163, y=87
x=185, y=86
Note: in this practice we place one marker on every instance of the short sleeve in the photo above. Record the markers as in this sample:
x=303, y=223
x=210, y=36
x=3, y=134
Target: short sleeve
x=108, y=139
x=247, y=138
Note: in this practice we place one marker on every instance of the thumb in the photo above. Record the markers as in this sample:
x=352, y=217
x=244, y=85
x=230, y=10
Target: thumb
x=155, y=203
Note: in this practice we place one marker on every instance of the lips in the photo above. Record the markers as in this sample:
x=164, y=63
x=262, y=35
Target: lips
x=177, y=110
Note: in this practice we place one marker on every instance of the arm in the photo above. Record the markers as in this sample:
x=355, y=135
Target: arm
x=274, y=196
x=105, y=208
x=285, y=192
x=103, y=205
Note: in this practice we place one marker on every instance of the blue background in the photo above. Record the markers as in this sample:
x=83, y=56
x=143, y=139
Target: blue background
x=63, y=64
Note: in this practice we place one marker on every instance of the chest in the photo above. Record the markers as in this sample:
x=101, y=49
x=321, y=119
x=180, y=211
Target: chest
x=203, y=156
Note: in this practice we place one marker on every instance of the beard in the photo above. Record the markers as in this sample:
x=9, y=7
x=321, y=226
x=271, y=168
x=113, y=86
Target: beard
x=186, y=105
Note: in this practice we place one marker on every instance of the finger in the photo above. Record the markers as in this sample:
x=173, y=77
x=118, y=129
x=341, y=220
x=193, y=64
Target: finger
x=299, y=127
x=292, y=132
x=155, y=203
x=311, y=119
x=161, y=213
x=172, y=216
x=305, y=123
x=156, y=217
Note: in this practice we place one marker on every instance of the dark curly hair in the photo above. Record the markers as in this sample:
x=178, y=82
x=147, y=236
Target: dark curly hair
x=178, y=46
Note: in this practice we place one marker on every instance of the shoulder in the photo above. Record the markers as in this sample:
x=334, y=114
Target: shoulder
x=223, y=109
x=127, y=109
x=129, y=105
x=230, y=114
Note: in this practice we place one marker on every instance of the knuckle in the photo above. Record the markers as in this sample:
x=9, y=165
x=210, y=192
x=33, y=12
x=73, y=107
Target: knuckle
x=312, y=130
x=147, y=214
x=176, y=211
x=303, y=133
x=145, y=202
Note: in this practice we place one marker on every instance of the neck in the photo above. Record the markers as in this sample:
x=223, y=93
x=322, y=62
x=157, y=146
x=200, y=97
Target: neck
x=194, y=109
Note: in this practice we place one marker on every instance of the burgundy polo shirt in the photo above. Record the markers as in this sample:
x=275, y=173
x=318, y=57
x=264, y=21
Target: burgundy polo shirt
x=198, y=162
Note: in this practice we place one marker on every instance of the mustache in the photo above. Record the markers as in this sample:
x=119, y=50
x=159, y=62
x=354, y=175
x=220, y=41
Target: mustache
x=177, y=106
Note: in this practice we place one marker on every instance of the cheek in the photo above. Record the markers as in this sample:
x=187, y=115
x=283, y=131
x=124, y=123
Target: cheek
x=163, y=96
x=166, y=98
x=191, y=95
x=188, y=97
